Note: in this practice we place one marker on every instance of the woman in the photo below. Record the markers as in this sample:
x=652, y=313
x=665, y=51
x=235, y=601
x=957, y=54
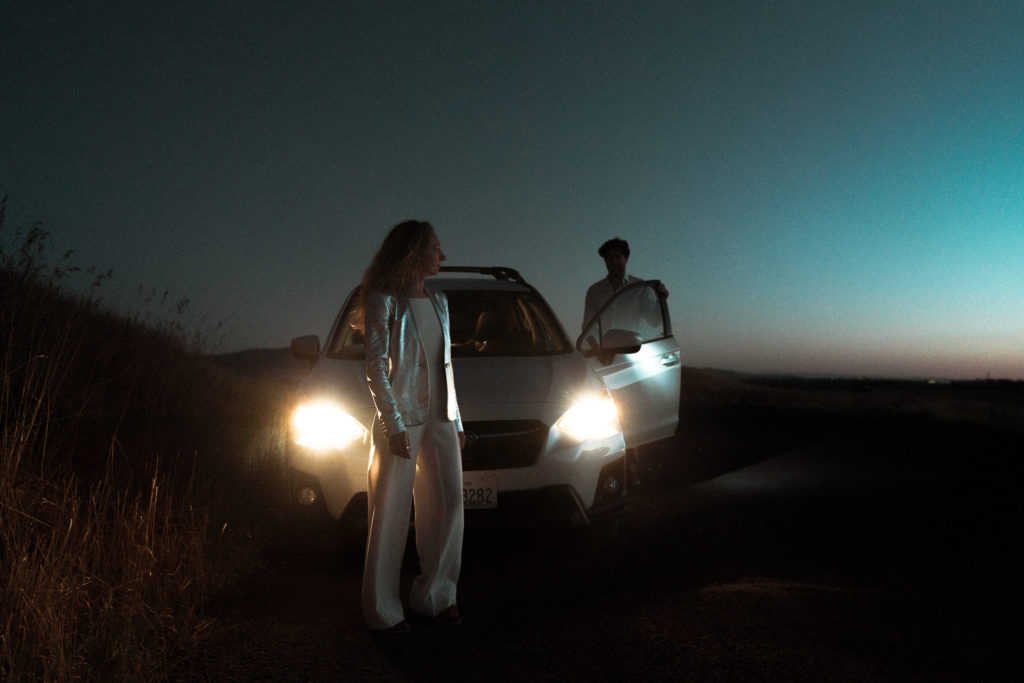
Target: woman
x=417, y=437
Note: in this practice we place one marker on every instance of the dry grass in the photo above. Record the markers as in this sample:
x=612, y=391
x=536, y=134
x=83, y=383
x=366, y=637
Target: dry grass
x=119, y=442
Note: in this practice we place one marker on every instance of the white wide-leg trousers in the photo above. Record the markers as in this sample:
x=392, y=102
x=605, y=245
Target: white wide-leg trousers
x=433, y=476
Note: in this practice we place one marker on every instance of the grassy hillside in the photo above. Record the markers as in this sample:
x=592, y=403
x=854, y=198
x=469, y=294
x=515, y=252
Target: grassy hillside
x=133, y=473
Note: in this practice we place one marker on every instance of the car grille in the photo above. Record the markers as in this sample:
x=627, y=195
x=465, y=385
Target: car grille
x=502, y=444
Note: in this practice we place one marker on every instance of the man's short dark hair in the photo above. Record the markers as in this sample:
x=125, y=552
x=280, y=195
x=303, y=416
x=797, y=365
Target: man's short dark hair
x=616, y=243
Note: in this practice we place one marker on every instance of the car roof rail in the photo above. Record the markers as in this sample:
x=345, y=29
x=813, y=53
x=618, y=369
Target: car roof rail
x=497, y=272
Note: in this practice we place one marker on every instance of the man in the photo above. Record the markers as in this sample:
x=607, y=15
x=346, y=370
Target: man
x=615, y=253
x=629, y=313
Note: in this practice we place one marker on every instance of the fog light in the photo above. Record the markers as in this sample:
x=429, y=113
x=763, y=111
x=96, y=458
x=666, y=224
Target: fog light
x=611, y=486
x=307, y=496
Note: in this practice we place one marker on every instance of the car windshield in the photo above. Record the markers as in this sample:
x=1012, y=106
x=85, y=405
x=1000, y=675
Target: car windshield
x=483, y=323
x=503, y=323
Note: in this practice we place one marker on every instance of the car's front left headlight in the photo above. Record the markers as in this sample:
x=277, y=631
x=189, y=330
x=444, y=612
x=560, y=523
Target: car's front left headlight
x=590, y=418
x=323, y=425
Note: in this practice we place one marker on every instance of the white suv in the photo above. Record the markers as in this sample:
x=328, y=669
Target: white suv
x=547, y=424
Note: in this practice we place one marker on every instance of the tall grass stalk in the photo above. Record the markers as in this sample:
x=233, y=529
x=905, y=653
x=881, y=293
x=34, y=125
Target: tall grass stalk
x=118, y=442
x=102, y=583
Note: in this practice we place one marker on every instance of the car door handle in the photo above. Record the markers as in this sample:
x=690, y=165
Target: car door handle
x=670, y=359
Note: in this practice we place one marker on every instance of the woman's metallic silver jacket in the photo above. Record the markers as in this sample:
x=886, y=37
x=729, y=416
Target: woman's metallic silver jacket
x=396, y=365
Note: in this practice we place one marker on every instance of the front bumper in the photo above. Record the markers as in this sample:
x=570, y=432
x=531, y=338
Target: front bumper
x=581, y=482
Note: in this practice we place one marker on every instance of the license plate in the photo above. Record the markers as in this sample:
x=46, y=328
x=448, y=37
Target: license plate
x=479, y=491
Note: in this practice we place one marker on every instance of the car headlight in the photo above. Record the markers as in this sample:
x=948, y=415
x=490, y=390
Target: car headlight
x=324, y=425
x=590, y=418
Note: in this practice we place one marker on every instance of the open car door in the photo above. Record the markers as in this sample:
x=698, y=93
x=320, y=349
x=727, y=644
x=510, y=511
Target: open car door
x=629, y=343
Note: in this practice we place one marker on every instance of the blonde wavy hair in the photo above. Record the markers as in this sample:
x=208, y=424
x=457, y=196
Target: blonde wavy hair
x=395, y=267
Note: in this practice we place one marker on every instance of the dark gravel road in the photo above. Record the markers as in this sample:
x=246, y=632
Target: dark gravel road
x=766, y=544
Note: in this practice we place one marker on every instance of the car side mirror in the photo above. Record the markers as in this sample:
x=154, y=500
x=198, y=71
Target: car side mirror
x=615, y=342
x=306, y=348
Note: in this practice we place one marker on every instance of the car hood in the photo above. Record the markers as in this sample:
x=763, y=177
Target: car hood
x=523, y=380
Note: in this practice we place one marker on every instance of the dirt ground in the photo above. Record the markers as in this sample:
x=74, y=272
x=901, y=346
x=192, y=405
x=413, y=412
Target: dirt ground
x=766, y=543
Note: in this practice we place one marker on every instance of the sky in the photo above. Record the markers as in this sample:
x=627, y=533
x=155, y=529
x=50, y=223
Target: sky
x=824, y=187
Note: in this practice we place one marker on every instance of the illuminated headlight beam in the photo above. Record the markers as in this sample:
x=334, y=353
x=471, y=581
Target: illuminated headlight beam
x=590, y=419
x=324, y=425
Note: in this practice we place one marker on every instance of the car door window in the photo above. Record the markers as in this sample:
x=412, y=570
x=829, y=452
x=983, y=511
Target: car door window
x=347, y=341
x=635, y=312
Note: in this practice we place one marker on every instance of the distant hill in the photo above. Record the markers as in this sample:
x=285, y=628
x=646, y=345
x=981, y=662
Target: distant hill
x=275, y=364
x=281, y=366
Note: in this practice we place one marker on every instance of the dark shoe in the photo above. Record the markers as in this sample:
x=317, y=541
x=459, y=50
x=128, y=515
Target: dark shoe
x=449, y=616
x=396, y=630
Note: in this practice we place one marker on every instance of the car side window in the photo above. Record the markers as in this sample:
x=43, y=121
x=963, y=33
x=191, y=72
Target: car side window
x=348, y=338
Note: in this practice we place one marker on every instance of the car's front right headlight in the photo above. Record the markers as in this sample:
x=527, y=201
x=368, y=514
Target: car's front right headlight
x=594, y=417
x=323, y=425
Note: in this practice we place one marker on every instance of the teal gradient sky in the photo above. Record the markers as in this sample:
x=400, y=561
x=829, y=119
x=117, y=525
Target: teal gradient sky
x=824, y=187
